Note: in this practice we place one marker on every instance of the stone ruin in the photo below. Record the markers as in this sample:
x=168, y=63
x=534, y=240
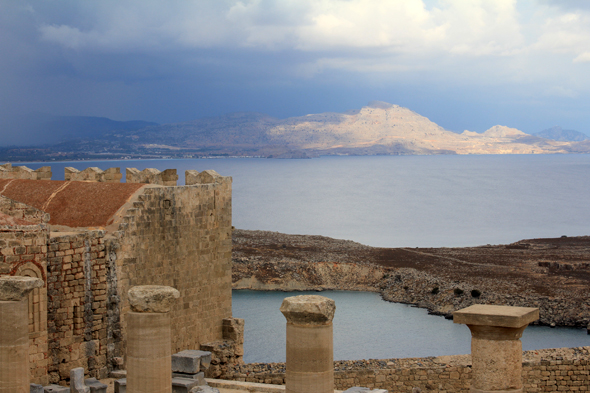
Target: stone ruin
x=91, y=238
x=151, y=367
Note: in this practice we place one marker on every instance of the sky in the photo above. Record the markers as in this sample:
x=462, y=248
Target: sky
x=464, y=64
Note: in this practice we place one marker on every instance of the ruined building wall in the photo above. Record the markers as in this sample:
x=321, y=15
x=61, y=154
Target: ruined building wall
x=23, y=252
x=179, y=237
x=153, y=234
x=77, y=317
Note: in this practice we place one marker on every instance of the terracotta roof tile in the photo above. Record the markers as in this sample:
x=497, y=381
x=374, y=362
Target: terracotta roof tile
x=72, y=203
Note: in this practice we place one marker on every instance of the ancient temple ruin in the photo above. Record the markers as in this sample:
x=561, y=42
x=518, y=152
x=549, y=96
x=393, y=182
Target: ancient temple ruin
x=91, y=238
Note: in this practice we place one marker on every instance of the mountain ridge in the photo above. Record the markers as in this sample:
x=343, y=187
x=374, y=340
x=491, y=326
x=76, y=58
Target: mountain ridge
x=379, y=128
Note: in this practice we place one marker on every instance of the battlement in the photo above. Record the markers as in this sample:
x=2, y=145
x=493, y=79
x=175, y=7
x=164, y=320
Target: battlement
x=167, y=177
x=7, y=171
x=111, y=175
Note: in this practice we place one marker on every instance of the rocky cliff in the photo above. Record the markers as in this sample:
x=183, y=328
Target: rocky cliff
x=552, y=274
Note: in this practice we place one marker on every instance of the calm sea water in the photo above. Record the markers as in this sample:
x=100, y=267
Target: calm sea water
x=401, y=201
x=389, y=201
x=366, y=327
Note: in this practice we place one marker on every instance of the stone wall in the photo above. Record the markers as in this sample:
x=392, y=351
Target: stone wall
x=111, y=175
x=7, y=171
x=154, y=235
x=24, y=253
x=179, y=237
x=547, y=370
x=77, y=313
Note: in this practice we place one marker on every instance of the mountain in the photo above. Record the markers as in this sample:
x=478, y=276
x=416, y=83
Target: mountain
x=559, y=134
x=379, y=128
x=42, y=129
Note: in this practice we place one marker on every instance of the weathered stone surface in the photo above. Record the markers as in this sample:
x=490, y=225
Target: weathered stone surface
x=204, y=389
x=152, y=298
x=501, y=316
x=233, y=329
x=356, y=389
x=36, y=388
x=121, y=385
x=183, y=385
x=199, y=377
x=308, y=309
x=95, y=385
x=17, y=288
x=56, y=389
x=190, y=361
x=77, y=384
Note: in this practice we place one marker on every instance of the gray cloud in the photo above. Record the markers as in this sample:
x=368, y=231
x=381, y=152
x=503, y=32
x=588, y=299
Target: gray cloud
x=466, y=66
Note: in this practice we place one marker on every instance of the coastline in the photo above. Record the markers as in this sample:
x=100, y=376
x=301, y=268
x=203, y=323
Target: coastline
x=552, y=274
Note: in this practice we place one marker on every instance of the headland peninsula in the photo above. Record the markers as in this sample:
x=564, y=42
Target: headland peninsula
x=552, y=274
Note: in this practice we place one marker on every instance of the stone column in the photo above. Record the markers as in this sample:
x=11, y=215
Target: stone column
x=149, y=352
x=496, y=349
x=14, y=332
x=310, y=349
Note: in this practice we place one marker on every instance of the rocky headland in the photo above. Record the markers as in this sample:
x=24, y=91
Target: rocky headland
x=552, y=274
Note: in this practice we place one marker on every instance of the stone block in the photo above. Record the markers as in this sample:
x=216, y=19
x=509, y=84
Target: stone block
x=199, y=377
x=357, y=389
x=35, y=388
x=152, y=298
x=121, y=385
x=501, y=316
x=183, y=385
x=204, y=389
x=16, y=288
x=190, y=361
x=77, y=381
x=308, y=309
x=56, y=389
x=95, y=385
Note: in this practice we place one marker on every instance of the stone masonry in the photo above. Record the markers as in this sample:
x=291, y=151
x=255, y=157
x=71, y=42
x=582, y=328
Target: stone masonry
x=91, y=241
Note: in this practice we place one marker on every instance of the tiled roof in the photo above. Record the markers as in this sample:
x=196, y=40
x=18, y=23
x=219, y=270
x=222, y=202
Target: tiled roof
x=72, y=203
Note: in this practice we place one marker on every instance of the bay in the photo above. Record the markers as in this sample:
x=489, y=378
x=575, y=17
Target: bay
x=367, y=327
x=400, y=201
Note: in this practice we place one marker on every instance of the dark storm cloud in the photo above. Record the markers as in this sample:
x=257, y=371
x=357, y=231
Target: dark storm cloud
x=465, y=66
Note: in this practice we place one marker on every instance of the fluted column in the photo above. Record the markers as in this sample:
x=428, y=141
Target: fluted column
x=496, y=349
x=14, y=332
x=310, y=349
x=149, y=353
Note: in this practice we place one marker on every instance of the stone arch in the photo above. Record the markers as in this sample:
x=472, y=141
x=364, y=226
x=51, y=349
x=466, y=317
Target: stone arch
x=37, y=300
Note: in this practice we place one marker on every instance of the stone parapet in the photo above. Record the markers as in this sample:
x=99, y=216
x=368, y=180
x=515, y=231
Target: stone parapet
x=543, y=370
x=7, y=171
x=111, y=175
x=167, y=177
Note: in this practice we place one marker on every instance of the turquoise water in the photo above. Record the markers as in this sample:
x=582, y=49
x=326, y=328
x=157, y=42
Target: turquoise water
x=366, y=327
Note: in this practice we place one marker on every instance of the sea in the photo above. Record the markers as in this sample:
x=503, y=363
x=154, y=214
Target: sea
x=393, y=201
x=399, y=201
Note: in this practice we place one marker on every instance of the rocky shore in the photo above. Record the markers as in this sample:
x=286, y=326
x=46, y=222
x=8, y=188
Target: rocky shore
x=552, y=274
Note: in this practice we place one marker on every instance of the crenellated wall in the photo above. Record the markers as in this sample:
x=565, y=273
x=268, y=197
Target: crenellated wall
x=166, y=177
x=111, y=175
x=7, y=171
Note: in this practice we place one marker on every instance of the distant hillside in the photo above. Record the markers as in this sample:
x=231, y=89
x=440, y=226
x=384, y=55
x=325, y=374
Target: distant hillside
x=41, y=129
x=379, y=128
x=559, y=134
